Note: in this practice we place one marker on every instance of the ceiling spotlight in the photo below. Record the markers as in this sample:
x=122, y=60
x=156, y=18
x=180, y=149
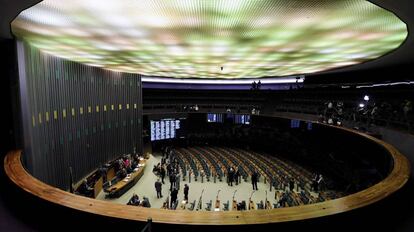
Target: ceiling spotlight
x=361, y=105
x=366, y=98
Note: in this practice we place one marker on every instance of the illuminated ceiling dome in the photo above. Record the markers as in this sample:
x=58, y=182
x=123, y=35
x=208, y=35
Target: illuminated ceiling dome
x=195, y=38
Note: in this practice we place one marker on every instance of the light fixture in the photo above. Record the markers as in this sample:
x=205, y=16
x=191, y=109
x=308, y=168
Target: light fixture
x=188, y=40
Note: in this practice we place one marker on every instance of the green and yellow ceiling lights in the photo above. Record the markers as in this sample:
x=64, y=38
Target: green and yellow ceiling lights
x=195, y=38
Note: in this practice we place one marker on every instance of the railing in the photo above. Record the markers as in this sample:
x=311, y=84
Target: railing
x=148, y=226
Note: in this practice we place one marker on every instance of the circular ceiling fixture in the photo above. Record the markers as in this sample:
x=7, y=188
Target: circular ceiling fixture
x=190, y=39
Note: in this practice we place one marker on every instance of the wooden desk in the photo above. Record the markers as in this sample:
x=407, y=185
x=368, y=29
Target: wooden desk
x=98, y=186
x=111, y=174
x=125, y=184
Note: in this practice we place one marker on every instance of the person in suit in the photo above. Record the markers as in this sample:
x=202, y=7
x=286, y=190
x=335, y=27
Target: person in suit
x=177, y=180
x=145, y=202
x=85, y=190
x=162, y=173
x=158, y=188
x=231, y=176
x=291, y=184
x=134, y=200
x=320, y=182
x=315, y=183
x=173, y=195
x=186, y=189
x=237, y=176
x=255, y=177
x=121, y=174
x=104, y=173
x=172, y=181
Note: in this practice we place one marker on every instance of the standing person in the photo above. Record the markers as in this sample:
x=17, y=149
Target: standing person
x=158, y=188
x=236, y=176
x=255, y=177
x=186, y=188
x=231, y=176
x=177, y=180
x=291, y=184
x=168, y=169
x=104, y=174
x=162, y=173
x=172, y=180
x=174, y=194
x=315, y=183
x=320, y=182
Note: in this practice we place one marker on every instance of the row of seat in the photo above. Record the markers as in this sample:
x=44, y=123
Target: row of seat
x=274, y=170
x=213, y=161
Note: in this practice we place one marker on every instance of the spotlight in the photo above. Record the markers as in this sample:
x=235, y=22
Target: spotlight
x=361, y=105
x=366, y=98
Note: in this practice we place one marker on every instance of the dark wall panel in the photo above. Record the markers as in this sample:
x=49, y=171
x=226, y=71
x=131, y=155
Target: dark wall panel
x=75, y=115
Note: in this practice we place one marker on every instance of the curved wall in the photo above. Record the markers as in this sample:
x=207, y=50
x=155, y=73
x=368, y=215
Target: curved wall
x=75, y=115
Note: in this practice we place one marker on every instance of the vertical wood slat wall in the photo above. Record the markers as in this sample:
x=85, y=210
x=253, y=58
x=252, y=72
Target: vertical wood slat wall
x=75, y=115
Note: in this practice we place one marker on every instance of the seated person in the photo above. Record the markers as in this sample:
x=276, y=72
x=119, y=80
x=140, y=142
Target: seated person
x=283, y=200
x=121, y=174
x=129, y=168
x=134, y=164
x=241, y=205
x=126, y=161
x=145, y=203
x=85, y=190
x=134, y=200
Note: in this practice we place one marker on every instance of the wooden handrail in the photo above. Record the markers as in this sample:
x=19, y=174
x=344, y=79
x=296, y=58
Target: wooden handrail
x=394, y=181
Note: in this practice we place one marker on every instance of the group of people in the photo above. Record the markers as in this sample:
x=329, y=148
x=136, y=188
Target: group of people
x=332, y=113
x=122, y=167
x=317, y=182
x=169, y=167
x=125, y=165
x=233, y=175
x=134, y=200
x=256, y=86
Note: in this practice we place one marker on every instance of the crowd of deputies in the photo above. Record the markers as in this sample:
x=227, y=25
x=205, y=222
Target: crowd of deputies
x=233, y=175
x=125, y=165
x=367, y=110
x=122, y=166
x=169, y=167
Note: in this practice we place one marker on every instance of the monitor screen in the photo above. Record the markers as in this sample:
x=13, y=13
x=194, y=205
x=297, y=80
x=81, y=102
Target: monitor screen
x=242, y=119
x=165, y=129
x=309, y=125
x=294, y=123
x=214, y=117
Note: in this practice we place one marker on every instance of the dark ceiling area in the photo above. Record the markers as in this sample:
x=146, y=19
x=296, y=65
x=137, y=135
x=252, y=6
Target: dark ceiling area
x=395, y=66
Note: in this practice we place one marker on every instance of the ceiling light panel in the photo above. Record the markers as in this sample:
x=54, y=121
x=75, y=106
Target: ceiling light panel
x=195, y=38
